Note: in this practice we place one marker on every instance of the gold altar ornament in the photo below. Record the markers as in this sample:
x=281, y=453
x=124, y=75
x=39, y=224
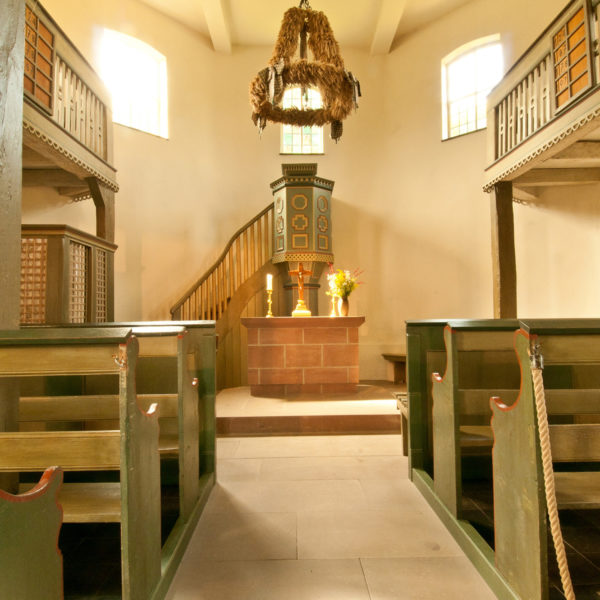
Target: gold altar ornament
x=301, y=309
x=269, y=294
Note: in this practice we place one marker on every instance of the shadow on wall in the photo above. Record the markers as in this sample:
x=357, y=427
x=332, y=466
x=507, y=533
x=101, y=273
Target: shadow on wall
x=408, y=274
x=558, y=249
x=577, y=200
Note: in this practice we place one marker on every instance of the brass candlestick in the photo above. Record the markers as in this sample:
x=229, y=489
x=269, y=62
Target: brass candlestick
x=269, y=302
x=334, y=311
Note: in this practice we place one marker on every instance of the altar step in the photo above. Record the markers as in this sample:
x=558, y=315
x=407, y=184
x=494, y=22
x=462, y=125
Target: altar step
x=308, y=425
x=371, y=409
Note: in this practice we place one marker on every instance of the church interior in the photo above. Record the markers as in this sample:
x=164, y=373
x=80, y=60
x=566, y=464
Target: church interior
x=243, y=356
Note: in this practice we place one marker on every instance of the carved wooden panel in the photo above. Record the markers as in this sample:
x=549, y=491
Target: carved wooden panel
x=39, y=60
x=570, y=52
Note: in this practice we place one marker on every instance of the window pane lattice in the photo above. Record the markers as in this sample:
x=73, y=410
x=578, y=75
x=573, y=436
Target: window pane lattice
x=468, y=79
x=136, y=75
x=301, y=140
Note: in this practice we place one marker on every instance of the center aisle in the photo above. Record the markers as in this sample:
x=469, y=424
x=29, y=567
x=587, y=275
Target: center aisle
x=320, y=517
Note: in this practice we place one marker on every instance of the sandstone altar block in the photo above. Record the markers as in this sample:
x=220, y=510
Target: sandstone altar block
x=293, y=355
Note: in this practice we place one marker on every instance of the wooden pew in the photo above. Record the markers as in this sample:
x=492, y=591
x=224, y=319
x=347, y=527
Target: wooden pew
x=480, y=363
x=424, y=355
x=30, y=561
x=132, y=449
x=176, y=370
x=571, y=356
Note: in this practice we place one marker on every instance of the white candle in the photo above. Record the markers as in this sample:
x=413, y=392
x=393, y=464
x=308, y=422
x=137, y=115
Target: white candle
x=269, y=282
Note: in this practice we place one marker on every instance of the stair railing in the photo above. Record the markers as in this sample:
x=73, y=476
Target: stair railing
x=246, y=252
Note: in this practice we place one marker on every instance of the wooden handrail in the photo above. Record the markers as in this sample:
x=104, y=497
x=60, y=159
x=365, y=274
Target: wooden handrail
x=248, y=250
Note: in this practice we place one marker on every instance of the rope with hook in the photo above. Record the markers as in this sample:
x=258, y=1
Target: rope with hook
x=548, y=470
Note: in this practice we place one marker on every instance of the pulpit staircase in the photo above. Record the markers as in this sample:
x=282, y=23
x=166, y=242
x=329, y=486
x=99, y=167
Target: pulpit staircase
x=233, y=288
x=249, y=249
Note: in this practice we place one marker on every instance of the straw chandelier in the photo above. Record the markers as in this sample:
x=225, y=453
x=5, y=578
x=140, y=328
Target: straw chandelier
x=339, y=89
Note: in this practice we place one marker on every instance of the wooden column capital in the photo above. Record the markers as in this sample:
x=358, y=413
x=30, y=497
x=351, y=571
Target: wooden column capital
x=104, y=200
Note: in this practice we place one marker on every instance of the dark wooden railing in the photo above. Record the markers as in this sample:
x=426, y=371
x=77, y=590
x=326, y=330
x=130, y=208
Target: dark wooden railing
x=66, y=111
x=546, y=96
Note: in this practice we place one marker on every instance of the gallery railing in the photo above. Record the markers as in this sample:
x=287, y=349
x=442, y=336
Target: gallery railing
x=556, y=73
x=67, y=107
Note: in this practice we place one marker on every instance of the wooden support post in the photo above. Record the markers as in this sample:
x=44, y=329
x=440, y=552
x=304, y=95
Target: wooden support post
x=12, y=53
x=12, y=56
x=104, y=200
x=503, y=252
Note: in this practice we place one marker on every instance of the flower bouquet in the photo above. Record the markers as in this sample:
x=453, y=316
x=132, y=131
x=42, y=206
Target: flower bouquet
x=342, y=283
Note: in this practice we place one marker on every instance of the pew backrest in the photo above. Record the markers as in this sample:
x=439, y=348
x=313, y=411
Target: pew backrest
x=30, y=560
x=570, y=352
x=480, y=362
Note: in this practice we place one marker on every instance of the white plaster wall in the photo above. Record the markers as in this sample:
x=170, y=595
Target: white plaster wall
x=558, y=249
x=407, y=208
x=424, y=228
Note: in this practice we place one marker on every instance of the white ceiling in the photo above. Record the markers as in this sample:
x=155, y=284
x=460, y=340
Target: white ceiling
x=372, y=25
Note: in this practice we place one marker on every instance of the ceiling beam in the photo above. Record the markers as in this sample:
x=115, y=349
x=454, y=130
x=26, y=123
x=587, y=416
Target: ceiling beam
x=218, y=25
x=51, y=178
x=548, y=177
x=580, y=150
x=387, y=24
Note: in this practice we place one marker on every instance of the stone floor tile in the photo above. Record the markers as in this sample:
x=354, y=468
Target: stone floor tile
x=286, y=496
x=239, y=469
x=400, y=494
x=334, y=467
x=369, y=398
x=431, y=578
x=372, y=534
x=244, y=536
x=227, y=447
x=335, y=445
x=270, y=580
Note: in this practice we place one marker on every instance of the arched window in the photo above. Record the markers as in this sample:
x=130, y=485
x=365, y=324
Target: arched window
x=468, y=75
x=301, y=140
x=136, y=76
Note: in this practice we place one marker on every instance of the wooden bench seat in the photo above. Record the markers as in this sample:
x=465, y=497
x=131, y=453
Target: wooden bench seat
x=87, y=502
x=578, y=490
x=476, y=436
x=399, y=363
